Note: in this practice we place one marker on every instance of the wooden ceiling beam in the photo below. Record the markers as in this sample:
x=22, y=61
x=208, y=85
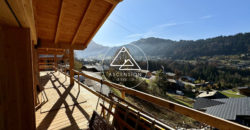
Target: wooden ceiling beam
x=59, y=21
x=83, y=19
x=51, y=44
x=100, y=24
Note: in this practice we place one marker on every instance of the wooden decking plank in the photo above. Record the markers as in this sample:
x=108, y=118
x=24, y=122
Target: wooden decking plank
x=65, y=118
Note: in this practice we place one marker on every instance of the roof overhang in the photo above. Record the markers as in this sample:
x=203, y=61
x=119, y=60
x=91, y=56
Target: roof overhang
x=70, y=23
x=58, y=24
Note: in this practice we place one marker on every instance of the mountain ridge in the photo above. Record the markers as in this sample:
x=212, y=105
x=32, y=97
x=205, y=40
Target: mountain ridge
x=183, y=49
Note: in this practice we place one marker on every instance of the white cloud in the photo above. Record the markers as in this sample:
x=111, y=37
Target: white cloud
x=152, y=31
x=135, y=35
x=166, y=25
x=206, y=17
x=155, y=31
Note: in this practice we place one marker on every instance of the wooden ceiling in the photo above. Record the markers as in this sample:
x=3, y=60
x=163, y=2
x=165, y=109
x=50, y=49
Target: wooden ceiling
x=70, y=23
x=58, y=24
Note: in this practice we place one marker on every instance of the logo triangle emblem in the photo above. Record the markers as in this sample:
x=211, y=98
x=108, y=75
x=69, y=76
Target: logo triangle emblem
x=126, y=64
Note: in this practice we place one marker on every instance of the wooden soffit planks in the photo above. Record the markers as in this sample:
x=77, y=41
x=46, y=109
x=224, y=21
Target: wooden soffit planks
x=72, y=22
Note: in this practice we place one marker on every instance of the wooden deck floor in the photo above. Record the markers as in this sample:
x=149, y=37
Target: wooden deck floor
x=65, y=106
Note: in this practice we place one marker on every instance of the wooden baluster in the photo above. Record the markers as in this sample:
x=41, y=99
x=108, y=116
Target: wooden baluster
x=137, y=120
x=123, y=94
x=78, y=81
x=126, y=115
x=153, y=125
x=110, y=109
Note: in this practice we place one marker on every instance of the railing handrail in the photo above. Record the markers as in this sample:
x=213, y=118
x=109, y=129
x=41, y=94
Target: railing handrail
x=203, y=117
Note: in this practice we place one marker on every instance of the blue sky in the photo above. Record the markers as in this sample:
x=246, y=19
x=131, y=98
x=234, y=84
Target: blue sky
x=174, y=19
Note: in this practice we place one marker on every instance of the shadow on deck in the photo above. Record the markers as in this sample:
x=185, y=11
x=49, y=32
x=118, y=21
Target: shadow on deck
x=64, y=106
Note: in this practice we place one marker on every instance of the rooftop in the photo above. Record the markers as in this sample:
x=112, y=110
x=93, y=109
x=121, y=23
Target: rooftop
x=170, y=74
x=207, y=94
x=227, y=108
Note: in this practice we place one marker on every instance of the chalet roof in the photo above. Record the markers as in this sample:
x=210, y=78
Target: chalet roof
x=70, y=23
x=97, y=67
x=242, y=88
x=202, y=103
x=207, y=94
x=172, y=80
x=170, y=74
x=188, y=78
x=227, y=108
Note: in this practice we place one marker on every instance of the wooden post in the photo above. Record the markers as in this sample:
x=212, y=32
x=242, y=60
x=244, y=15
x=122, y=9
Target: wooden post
x=36, y=73
x=71, y=66
x=17, y=110
x=78, y=81
x=123, y=94
x=55, y=62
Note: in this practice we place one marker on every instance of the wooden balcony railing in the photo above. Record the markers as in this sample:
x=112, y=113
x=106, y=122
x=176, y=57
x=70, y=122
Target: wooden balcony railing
x=211, y=120
x=46, y=66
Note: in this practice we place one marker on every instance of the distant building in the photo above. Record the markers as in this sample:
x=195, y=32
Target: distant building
x=170, y=75
x=179, y=92
x=183, y=83
x=93, y=68
x=244, y=90
x=172, y=81
x=211, y=95
x=233, y=109
x=187, y=78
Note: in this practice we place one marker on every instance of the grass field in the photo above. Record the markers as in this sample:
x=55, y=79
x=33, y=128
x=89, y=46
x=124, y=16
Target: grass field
x=231, y=94
x=181, y=99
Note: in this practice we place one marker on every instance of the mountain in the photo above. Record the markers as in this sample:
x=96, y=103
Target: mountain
x=183, y=49
x=93, y=50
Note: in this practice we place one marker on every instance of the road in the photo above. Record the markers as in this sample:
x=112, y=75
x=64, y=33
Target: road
x=94, y=84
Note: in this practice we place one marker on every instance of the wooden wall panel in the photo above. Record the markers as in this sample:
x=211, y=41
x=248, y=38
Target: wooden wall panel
x=16, y=82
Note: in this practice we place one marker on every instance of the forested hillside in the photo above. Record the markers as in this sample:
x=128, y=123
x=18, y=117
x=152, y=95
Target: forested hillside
x=183, y=49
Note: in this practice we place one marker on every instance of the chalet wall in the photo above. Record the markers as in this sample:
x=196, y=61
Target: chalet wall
x=16, y=82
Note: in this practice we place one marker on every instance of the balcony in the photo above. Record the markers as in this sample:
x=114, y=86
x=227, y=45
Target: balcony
x=65, y=106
